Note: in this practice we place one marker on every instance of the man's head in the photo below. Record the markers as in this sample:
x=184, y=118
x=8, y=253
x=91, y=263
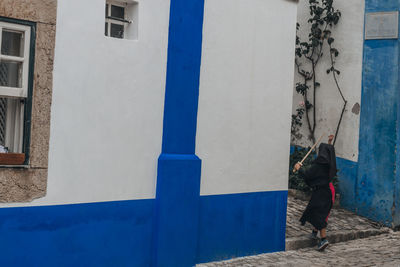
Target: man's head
x=326, y=155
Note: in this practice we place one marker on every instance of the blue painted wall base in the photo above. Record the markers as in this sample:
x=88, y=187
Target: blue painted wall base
x=98, y=234
x=241, y=224
x=347, y=175
x=121, y=233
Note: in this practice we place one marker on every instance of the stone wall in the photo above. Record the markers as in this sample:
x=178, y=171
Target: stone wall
x=26, y=184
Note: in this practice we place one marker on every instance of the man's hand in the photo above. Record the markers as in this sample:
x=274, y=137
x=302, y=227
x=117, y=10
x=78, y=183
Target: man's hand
x=330, y=138
x=297, y=166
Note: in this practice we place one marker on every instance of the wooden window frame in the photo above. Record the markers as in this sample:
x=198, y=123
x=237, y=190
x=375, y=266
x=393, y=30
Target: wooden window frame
x=24, y=93
x=14, y=91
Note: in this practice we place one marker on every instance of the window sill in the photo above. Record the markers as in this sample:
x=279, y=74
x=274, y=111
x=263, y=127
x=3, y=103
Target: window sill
x=14, y=167
x=12, y=159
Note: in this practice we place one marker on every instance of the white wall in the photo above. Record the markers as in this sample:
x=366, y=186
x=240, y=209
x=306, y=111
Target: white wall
x=245, y=101
x=348, y=36
x=108, y=101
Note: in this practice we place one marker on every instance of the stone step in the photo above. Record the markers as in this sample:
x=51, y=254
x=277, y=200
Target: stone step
x=295, y=243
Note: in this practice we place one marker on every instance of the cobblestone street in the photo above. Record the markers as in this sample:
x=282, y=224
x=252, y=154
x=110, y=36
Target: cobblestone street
x=339, y=220
x=381, y=250
x=343, y=226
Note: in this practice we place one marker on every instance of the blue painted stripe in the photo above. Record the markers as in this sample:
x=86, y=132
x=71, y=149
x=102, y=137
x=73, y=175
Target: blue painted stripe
x=178, y=176
x=375, y=196
x=183, y=76
x=378, y=130
x=97, y=234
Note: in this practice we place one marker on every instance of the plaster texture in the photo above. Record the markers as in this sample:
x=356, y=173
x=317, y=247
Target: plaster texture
x=348, y=36
x=22, y=185
x=43, y=81
x=27, y=184
x=43, y=11
x=245, y=95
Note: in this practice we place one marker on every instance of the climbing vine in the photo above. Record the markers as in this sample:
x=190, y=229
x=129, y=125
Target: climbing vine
x=323, y=18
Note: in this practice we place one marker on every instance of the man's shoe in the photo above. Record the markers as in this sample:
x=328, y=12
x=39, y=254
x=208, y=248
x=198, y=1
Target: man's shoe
x=322, y=245
x=314, y=235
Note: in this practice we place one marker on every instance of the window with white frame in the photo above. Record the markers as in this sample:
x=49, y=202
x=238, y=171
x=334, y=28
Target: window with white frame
x=121, y=19
x=14, y=74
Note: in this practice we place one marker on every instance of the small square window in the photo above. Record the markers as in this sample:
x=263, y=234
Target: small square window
x=121, y=19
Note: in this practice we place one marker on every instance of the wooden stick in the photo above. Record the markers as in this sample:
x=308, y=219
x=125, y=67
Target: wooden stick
x=309, y=152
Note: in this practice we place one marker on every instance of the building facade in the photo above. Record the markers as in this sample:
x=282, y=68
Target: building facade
x=158, y=133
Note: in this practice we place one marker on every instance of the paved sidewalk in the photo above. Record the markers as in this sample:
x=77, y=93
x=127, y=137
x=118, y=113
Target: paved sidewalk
x=343, y=225
x=381, y=250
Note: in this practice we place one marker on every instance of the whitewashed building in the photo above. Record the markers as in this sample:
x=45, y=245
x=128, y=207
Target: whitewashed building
x=144, y=133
